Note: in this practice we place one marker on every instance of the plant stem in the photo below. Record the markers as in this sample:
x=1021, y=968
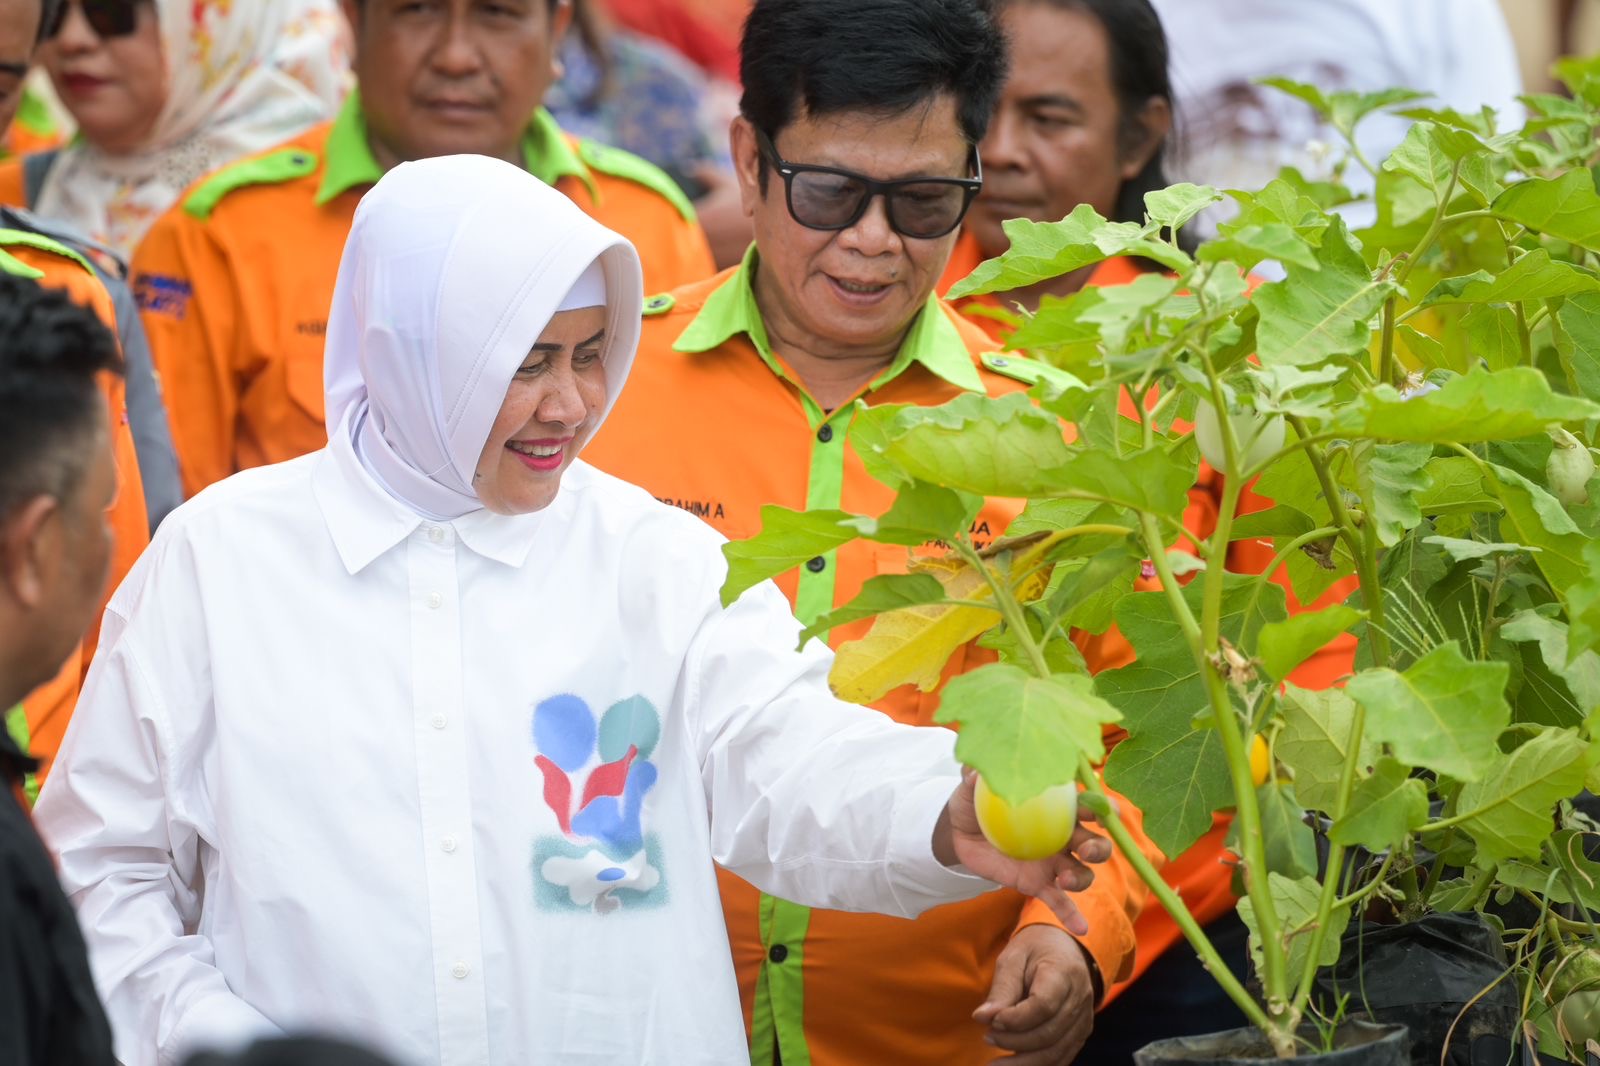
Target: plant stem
x=1386, y=344
x=1428, y=238
x=1524, y=335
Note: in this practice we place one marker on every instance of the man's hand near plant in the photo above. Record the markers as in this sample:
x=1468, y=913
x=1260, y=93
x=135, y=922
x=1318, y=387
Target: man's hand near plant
x=1041, y=1004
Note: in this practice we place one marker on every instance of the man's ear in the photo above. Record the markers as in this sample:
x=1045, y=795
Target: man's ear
x=747, y=163
x=1151, y=128
x=30, y=550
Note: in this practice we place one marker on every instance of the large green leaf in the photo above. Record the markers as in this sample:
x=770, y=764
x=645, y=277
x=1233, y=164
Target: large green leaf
x=1249, y=245
x=787, y=539
x=1174, y=772
x=1280, y=202
x=887, y=592
x=1024, y=734
x=1343, y=108
x=1581, y=673
x=1315, y=739
x=1430, y=152
x=1443, y=713
x=1565, y=207
x=1510, y=813
x=1494, y=336
x=1578, y=342
x=1455, y=487
x=1473, y=407
x=1290, y=845
x=1533, y=277
x=1040, y=251
x=1296, y=901
x=1583, y=605
x=1393, y=476
x=1534, y=517
x=1311, y=316
x=1384, y=809
x=1282, y=646
x=1177, y=204
x=921, y=512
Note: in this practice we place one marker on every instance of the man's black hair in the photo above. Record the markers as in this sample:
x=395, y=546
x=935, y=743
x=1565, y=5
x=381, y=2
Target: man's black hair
x=1138, y=50
x=821, y=57
x=51, y=350
x=294, y=1051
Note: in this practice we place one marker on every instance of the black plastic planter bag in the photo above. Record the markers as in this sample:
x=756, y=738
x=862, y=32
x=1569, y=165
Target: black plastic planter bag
x=1420, y=975
x=1357, y=1044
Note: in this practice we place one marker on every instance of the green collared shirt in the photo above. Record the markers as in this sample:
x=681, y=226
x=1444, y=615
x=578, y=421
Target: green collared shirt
x=348, y=161
x=933, y=341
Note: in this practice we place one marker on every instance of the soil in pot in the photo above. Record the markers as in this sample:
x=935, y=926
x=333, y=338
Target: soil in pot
x=1355, y=1043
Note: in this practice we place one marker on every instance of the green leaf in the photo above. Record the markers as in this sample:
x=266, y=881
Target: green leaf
x=1384, y=809
x=1582, y=673
x=1280, y=202
x=921, y=512
x=1578, y=342
x=1087, y=596
x=1393, y=476
x=1249, y=245
x=1284, y=645
x=1291, y=847
x=1311, y=316
x=1315, y=740
x=1121, y=307
x=887, y=592
x=1177, y=204
x=1443, y=713
x=1172, y=771
x=1455, y=487
x=1024, y=734
x=787, y=539
x=1343, y=108
x=1040, y=251
x=1296, y=900
x=1462, y=550
x=1430, y=152
x=1061, y=324
x=1565, y=207
x=1510, y=813
x=1535, y=276
x=1493, y=335
x=1473, y=407
x=1536, y=518
x=1007, y=447
x=1583, y=605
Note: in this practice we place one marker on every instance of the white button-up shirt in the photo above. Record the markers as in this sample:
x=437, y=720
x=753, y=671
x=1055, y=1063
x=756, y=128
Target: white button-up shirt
x=456, y=789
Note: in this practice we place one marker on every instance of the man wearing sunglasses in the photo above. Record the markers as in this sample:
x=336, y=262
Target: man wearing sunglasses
x=236, y=280
x=856, y=162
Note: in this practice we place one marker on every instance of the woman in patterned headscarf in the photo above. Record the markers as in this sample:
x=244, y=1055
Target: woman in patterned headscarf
x=165, y=91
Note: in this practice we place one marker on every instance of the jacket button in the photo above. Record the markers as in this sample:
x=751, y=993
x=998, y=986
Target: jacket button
x=816, y=564
x=825, y=434
x=778, y=953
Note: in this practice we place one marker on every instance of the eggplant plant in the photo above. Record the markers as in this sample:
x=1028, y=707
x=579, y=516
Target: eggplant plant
x=1405, y=417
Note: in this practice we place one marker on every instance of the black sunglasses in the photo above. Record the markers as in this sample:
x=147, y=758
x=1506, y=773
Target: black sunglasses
x=828, y=198
x=108, y=18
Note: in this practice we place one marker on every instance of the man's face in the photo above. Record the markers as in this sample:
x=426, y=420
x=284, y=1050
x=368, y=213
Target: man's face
x=19, y=27
x=447, y=77
x=66, y=556
x=1054, y=142
x=857, y=289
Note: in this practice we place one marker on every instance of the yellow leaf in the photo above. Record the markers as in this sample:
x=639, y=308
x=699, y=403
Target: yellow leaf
x=910, y=646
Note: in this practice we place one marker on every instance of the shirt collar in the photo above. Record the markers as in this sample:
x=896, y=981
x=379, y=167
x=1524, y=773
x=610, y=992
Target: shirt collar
x=348, y=161
x=933, y=340
x=365, y=521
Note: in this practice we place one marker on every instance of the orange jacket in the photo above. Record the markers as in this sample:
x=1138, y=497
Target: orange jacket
x=234, y=283
x=1201, y=875
x=46, y=711
x=715, y=425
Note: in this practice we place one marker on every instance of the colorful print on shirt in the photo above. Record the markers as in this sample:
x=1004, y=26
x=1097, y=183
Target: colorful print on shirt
x=596, y=777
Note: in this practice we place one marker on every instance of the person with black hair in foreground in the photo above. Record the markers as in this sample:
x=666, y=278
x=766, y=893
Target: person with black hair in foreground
x=57, y=478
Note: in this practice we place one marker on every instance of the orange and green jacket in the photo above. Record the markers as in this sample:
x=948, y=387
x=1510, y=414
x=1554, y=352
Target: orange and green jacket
x=33, y=130
x=1203, y=874
x=41, y=721
x=234, y=282
x=715, y=422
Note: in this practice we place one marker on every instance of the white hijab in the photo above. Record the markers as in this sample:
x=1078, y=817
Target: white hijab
x=453, y=268
x=243, y=75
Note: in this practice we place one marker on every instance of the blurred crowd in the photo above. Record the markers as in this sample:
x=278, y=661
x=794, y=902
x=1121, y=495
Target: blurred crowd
x=187, y=173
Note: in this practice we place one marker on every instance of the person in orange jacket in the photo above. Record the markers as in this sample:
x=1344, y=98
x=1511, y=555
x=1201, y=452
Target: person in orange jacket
x=40, y=721
x=744, y=395
x=235, y=281
x=1085, y=118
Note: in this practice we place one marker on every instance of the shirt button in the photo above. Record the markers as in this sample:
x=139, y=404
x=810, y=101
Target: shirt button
x=459, y=970
x=435, y=601
x=778, y=953
x=825, y=434
x=438, y=721
x=435, y=534
x=448, y=843
x=816, y=564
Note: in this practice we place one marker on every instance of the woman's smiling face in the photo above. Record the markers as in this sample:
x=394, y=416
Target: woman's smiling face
x=554, y=403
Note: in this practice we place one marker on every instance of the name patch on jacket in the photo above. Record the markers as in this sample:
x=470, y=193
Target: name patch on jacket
x=162, y=294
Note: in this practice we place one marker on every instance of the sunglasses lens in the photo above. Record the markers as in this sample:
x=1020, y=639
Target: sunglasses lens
x=107, y=18
x=927, y=209
x=825, y=201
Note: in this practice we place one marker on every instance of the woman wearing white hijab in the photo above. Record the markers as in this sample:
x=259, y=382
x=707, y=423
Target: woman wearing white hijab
x=165, y=91
x=431, y=738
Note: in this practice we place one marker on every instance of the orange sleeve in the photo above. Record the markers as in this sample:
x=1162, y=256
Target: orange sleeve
x=184, y=284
